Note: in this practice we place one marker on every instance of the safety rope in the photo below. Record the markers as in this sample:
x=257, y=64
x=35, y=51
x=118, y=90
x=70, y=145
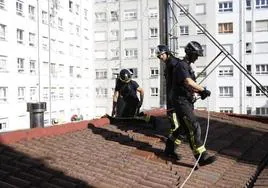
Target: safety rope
x=205, y=140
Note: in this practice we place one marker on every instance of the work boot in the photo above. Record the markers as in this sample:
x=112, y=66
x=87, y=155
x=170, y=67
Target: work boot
x=205, y=159
x=170, y=150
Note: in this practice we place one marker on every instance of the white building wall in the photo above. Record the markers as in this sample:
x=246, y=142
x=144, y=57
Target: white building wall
x=143, y=62
x=239, y=102
x=13, y=113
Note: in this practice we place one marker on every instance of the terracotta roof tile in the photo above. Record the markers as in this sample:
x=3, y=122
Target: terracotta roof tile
x=88, y=154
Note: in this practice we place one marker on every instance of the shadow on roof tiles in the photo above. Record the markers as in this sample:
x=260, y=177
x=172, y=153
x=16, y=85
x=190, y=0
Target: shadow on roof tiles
x=20, y=170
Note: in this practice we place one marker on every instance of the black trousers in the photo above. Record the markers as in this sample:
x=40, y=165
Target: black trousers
x=185, y=113
x=127, y=107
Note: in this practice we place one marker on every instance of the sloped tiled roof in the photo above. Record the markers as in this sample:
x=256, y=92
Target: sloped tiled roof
x=100, y=154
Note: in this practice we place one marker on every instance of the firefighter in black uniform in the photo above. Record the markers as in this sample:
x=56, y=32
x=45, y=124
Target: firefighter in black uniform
x=164, y=54
x=125, y=100
x=183, y=96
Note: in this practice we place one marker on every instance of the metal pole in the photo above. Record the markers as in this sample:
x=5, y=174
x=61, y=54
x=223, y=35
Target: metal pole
x=38, y=52
x=49, y=60
x=163, y=23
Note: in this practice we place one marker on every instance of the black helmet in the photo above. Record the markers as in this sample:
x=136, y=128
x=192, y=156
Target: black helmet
x=160, y=49
x=194, y=47
x=125, y=75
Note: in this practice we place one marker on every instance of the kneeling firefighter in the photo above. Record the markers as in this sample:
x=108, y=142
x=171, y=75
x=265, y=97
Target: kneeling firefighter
x=184, y=88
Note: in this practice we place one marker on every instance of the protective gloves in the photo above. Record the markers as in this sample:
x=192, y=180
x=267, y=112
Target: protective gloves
x=204, y=94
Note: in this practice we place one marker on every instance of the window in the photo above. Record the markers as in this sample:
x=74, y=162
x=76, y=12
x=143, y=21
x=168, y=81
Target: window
x=226, y=91
x=199, y=31
x=186, y=7
x=31, y=39
x=100, y=16
x=262, y=111
x=131, y=53
x=226, y=110
x=134, y=72
x=248, y=4
x=3, y=124
x=153, y=13
x=53, y=69
x=53, y=93
x=225, y=27
x=228, y=47
x=3, y=94
x=60, y=23
x=261, y=47
x=261, y=4
x=200, y=9
x=248, y=26
x=33, y=94
x=260, y=93
x=154, y=72
x=226, y=70
x=71, y=28
x=152, y=53
x=130, y=33
x=85, y=14
x=77, y=29
x=115, y=53
x=32, y=66
x=153, y=32
x=249, y=110
x=249, y=91
x=262, y=69
x=3, y=63
x=101, y=74
x=45, y=93
x=2, y=4
x=101, y=92
x=114, y=16
x=61, y=70
x=115, y=72
x=114, y=35
x=226, y=6
x=71, y=71
x=100, y=1
x=21, y=93
x=71, y=4
x=61, y=93
x=31, y=11
x=44, y=17
x=77, y=9
x=248, y=67
x=130, y=14
x=20, y=62
x=248, y=47
x=19, y=7
x=20, y=36
x=204, y=47
x=184, y=30
x=72, y=93
x=2, y=32
x=100, y=54
x=200, y=72
x=261, y=25
x=45, y=43
x=154, y=91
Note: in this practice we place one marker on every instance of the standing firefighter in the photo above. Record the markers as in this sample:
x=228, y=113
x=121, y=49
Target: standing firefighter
x=125, y=100
x=164, y=54
x=184, y=87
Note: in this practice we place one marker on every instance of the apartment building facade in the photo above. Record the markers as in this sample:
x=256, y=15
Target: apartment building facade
x=42, y=62
x=241, y=27
x=126, y=33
